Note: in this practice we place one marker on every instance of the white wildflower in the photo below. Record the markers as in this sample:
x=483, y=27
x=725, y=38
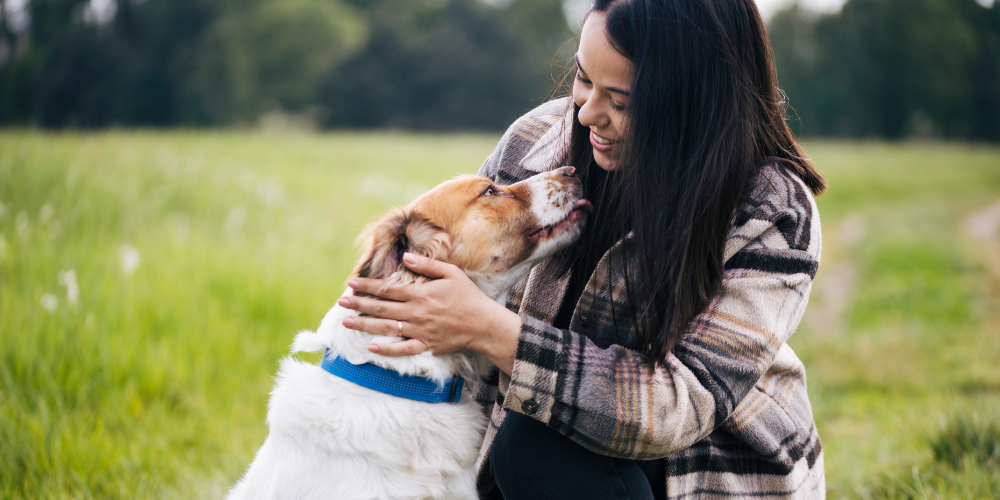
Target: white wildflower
x=271, y=192
x=235, y=220
x=68, y=279
x=23, y=227
x=50, y=302
x=130, y=259
x=46, y=213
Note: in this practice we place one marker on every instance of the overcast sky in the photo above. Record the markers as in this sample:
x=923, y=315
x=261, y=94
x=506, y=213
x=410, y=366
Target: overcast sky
x=768, y=7
x=575, y=9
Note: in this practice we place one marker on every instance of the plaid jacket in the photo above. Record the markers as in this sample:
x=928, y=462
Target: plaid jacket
x=729, y=409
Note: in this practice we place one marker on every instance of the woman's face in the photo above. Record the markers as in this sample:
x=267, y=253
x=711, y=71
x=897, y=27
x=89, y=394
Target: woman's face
x=601, y=89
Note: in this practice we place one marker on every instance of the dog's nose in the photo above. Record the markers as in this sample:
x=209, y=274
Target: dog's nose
x=568, y=171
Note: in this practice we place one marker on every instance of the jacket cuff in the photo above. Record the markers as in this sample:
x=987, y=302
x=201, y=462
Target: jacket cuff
x=540, y=353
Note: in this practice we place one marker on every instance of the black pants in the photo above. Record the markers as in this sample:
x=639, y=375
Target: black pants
x=531, y=461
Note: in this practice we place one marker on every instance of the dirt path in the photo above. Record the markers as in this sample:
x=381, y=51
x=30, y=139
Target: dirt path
x=984, y=227
x=837, y=277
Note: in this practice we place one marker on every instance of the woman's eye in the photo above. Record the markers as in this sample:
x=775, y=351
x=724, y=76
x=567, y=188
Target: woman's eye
x=617, y=107
x=579, y=76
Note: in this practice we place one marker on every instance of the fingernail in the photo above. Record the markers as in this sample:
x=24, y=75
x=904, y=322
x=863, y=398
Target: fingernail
x=409, y=258
x=372, y=347
x=348, y=322
x=353, y=283
x=344, y=302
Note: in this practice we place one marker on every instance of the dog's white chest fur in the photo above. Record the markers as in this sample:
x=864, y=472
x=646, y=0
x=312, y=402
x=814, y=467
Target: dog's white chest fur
x=330, y=438
x=333, y=439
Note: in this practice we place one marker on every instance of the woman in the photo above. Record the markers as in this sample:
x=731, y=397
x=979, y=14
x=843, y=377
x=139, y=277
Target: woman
x=648, y=361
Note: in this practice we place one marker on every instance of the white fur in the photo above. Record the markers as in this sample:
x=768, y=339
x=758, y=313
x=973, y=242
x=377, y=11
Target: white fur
x=333, y=439
x=551, y=203
x=330, y=438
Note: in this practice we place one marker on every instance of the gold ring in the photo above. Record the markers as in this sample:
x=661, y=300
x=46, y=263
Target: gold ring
x=400, y=324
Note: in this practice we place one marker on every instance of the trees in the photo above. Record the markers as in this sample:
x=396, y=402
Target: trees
x=452, y=67
x=167, y=62
x=878, y=68
x=266, y=55
x=356, y=63
x=892, y=68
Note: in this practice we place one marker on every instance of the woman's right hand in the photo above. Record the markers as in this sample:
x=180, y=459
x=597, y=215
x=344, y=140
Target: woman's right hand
x=443, y=315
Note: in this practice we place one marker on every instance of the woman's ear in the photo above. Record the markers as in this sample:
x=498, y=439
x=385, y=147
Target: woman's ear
x=400, y=231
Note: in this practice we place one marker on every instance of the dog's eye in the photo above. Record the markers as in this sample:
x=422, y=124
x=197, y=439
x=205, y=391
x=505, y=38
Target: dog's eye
x=496, y=192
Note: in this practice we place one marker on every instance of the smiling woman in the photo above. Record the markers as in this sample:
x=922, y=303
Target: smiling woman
x=602, y=94
x=649, y=360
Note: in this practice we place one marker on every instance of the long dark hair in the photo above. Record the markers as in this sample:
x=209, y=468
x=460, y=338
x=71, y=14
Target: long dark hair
x=704, y=115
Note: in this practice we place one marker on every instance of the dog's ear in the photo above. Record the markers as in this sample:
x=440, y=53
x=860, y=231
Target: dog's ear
x=400, y=231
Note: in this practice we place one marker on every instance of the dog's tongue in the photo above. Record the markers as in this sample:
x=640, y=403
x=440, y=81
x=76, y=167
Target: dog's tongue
x=584, y=204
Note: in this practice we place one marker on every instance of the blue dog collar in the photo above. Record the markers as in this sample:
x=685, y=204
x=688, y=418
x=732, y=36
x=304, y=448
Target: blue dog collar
x=387, y=381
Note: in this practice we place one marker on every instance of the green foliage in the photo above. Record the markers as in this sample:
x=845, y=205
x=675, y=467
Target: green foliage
x=127, y=72
x=450, y=67
x=968, y=438
x=965, y=464
x=250, y=61
x=892, y=68
x=375, y=63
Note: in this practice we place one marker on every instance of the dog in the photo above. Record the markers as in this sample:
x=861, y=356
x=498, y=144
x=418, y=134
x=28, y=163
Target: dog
x=331, y=438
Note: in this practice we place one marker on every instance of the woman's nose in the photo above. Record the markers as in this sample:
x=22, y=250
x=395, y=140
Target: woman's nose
x=590, y=113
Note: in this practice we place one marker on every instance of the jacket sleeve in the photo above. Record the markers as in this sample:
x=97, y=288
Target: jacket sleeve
x=609, y=402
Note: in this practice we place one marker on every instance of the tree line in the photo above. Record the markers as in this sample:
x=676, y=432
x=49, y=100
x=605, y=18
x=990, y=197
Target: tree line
x=878, y=68
x=892, y=69
x=455, y=64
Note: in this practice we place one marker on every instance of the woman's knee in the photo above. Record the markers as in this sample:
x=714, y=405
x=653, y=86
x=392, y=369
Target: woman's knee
x=518, y=443
x=530, y=460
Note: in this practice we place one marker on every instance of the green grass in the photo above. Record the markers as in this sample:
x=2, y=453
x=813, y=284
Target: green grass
x=919, y=341
x=155, y=383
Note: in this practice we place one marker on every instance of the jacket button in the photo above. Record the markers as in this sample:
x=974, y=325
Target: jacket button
x=530, y=406
x=585, y=319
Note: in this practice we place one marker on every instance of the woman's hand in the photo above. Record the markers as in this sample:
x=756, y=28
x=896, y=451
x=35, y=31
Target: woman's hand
x=443, y=315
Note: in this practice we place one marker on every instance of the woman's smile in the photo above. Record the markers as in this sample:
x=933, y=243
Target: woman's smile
x=602, y=144
x=601, y=89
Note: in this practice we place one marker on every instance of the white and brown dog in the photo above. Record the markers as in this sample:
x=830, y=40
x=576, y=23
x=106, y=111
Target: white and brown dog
x=331, y=438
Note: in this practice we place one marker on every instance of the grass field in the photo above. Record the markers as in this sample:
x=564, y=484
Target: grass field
x=149, y=282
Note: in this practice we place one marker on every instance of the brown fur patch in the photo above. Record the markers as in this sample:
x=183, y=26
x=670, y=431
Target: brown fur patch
x=458, y=223
x=401, y=230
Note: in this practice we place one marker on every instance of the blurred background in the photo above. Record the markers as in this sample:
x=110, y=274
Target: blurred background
x=181, y=183
x=870, y=68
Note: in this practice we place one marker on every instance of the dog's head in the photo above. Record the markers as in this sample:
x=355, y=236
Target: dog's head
x=494, y=233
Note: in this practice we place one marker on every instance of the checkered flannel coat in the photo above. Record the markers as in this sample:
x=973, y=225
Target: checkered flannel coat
x=728, y=410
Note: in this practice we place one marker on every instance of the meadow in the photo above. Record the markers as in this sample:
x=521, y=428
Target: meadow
x=150, y=281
